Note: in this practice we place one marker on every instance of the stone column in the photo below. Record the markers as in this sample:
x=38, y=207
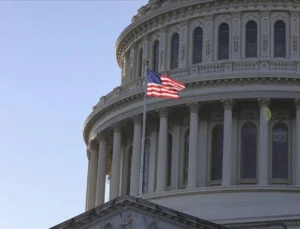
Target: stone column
x=152, y=159
x=227, y=143
x=115, y=171
x=175, y=154
x=193, y=146
x=263, y=150
x=297, y=156
x=162, y=150
x=92, y=182
x=101, y=170
x=136, y=157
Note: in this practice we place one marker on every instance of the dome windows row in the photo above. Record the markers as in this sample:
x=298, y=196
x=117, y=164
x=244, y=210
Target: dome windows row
x=176, y=49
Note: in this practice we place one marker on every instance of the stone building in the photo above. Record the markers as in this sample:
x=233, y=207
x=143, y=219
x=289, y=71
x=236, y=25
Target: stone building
x=229, y=150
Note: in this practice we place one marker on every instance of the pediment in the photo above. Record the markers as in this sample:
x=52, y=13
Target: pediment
x=127, y=212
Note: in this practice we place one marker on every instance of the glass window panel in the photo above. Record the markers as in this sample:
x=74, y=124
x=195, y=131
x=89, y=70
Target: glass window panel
x=251, y=39
x=198, y=44
x=279, y=39
x=155, y=56
x=280, y=151
x=146, y=165
x=223, y=49
x=186, y=157
x=175, y=51
x=140, y=63
x=168, y=181
x=248, y=151
x=217, y=153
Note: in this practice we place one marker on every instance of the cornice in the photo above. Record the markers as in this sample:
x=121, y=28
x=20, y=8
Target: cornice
x=190, y=84
x=166, y=14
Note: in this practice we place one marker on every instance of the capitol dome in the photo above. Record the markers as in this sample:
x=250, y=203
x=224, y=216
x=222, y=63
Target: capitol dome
x=228, y=150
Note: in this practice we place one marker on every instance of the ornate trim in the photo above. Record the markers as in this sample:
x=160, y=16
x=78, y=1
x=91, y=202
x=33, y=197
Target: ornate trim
x=263, y=102
x=228, y=104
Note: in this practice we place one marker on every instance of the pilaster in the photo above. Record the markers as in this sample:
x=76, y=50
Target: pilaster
x=208, y=40
x=183, y=45
x=163, y=53
x=294, y=35
x=265, y=34
x=92, y=181
x=236, y=35
x=175, y=155
x=101, y=175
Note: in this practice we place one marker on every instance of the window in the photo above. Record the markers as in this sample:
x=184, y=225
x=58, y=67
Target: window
x=175, y=51
x=186, y=157
x=129, y=170
x=169, y=160
x=279, y=39
x=146, y=165
x=140, y=72
x=155, y=56
x=217, y=153
x=280, y=156
x=251, y=39
x=223, y=49
x=197, y=47
x=248, y=151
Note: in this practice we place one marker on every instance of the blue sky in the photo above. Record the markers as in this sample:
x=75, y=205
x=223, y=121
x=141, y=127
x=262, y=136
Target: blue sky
x=56, y=60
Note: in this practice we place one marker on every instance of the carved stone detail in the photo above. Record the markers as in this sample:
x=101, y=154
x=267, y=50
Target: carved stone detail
x=117, y=127
x=228, y=104
x=208, y=44
x=297, y=104
x=265, y=42
x=236, y=43
x=194, y=107
x=295, y=43
x=182, y=51
x=263, y=102
x=107, y=225
x=137, y=119
x=161, y=58
x=163, y=112
x=126, y=220
x=150, y=225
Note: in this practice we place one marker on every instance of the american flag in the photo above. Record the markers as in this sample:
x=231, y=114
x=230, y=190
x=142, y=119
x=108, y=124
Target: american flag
x=162, y=86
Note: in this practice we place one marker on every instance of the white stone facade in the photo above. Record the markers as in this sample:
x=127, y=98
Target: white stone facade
x=228, y=151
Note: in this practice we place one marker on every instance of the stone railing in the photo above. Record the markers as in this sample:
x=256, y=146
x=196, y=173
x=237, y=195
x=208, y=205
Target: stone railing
x=206, y=71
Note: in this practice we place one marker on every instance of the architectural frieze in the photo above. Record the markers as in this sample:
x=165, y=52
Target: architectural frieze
x=182, y=10
x=186, y=98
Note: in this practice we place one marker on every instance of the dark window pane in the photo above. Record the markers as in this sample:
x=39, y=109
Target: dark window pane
x=279, y=39
x=248, y=151
x=217, y=153
x=223, y=49
x=280, y=151
x=155, y=56
x=186, y=157
x=198, y=43
x=168, y=181
x=175, y=51
x=146, y=165
x=129, y=171
x=140, y=73
x=251, y=39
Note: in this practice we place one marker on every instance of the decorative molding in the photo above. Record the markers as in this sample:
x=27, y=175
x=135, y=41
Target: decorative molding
x=182, y=51
x=163, y=112
x=263, y=102
x=297, y=104
x=228, y=104
x=137, y=119
x=194, y=107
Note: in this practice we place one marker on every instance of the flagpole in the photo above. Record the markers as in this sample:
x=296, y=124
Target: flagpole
x=143, y=131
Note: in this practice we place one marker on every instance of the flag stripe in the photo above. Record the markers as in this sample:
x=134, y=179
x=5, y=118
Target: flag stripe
x=162, y=86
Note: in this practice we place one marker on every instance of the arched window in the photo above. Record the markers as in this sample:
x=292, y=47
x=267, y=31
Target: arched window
x=140, y=73
x=223, y=49
x=251, y=39
x=217, y=153
x=169, y=161
x=175, y=51
x=197, y=47
x=248, y=151
x=280, y=157
x=279, y=39
x=155, y=56
x=146, y=165
x=186, y=157
x=129, y=170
